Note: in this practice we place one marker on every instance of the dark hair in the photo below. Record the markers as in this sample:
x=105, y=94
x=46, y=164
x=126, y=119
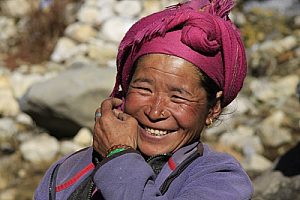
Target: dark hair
x=210, y=87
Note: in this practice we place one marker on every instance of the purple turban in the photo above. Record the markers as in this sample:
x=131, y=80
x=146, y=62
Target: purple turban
x=198, y=31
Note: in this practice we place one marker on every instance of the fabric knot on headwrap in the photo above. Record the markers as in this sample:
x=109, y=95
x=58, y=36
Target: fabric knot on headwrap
x=198, y=31
x=202, y=35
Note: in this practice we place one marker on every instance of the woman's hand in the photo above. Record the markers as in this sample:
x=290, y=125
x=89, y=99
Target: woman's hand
x=113, y=127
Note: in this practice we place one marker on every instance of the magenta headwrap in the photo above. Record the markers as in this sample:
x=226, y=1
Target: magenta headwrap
x=198, y=31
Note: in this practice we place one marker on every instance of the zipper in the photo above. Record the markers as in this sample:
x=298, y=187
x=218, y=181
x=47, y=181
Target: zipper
x=53, y=183
x=158, y=155
x=90, y=191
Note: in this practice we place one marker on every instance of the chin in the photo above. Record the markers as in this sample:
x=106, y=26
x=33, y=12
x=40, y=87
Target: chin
x=151, y=150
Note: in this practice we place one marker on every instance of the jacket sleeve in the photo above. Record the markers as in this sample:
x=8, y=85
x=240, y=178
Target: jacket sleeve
x=129, y=177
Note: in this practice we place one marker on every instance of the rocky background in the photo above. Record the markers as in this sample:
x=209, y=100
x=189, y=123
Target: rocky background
x=57, y=63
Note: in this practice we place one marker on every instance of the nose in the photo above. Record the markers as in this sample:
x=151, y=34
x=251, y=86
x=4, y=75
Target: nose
x=157, y=110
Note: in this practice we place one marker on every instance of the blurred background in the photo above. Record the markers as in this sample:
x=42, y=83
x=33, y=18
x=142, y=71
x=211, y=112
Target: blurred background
x=57, y=63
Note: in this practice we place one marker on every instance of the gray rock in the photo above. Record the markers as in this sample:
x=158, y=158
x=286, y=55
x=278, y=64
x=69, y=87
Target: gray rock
x=241, y=138
x=21, y=82
x=84, y=137
x=9, y=165
x=8, y=31
x=80, y=32
x=101, y=52
x=271, y=132
x=93, y=15
x=272, y=185
x=67, y=147
x=256, y=164
x=64, y=49
x=42, y=148
x=8, y=129
x=128, y=8
x=67, y=102
x=24, y=7
x=9, y=106
x=110, y=32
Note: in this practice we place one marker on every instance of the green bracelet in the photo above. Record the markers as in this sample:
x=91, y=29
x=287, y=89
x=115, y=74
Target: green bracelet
x=115, y=151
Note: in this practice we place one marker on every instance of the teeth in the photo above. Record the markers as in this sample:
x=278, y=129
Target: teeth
x=156, y=132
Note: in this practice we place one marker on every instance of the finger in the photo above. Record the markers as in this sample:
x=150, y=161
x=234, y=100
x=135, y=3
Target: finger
x=108, y=105
x=116, y=112
x=123, y=116
x=97, y=113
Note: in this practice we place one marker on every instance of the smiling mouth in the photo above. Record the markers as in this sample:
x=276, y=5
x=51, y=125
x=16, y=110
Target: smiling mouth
x=156, y=132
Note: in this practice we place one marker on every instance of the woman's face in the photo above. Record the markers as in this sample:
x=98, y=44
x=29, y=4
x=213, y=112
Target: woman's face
x=166, y=98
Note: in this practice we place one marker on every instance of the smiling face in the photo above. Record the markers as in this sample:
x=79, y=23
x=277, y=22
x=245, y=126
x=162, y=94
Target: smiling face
x=166, y=98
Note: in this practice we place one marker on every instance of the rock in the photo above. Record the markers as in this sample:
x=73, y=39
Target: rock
x=241, y=105
x=21, y=82
x=256, y=164
x=117, y=34
x=276, y=48
x=150, y=7
x=94, y=16
x=288, y=7
x=8, y=129
x=272, y=185
x=24, y=7
x=285, y=87
x=24, y=123
x=67, y=147
x=9, y=165
x=42, y=148
x=128, y=8
x=64, y=50
x=262, y=89
x=64, y=110
x=271, y=133
x=84, y=137
x=9, y=106
x=9, y=194
x=80, y=32
x=243, y=139
x=8, y=31
x=25, y=119
x=101, y=52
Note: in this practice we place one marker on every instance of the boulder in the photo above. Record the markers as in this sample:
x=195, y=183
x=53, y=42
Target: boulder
x=67, y=102
x=272, y=185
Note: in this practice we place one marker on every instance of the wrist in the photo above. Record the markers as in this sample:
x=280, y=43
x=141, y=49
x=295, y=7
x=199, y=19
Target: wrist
x=116, y=149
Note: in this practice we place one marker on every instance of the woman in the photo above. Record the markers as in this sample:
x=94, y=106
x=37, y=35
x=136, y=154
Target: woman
x=177, y=70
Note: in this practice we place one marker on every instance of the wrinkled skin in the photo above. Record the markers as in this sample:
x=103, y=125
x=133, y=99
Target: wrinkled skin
x=165, y=95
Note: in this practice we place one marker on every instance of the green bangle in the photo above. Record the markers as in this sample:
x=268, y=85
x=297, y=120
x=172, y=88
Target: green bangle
x=115, y=151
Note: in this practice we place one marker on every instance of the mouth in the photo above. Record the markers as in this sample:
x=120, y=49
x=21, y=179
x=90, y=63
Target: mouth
x=156, y=132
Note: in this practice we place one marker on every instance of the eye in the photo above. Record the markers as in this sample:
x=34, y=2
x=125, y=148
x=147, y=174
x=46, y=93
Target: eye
x=142, y=89
x=178, y=99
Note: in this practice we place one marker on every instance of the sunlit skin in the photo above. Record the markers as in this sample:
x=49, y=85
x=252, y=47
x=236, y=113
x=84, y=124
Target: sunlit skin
x=165, y=108
x=169, y=85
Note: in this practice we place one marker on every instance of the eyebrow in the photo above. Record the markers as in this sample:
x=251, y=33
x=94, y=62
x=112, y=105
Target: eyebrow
x=145, y=80
x=181, y=90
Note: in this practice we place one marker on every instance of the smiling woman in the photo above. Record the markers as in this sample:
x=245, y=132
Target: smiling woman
x=177, y=70
x=171, y=109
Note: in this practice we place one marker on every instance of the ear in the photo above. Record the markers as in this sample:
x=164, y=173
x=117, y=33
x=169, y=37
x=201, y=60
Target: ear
x=215, y=111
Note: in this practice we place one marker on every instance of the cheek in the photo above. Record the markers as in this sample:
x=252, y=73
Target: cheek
x=133, y=103
x=190, y=116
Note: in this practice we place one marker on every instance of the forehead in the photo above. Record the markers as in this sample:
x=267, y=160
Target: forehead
x=166, y=64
